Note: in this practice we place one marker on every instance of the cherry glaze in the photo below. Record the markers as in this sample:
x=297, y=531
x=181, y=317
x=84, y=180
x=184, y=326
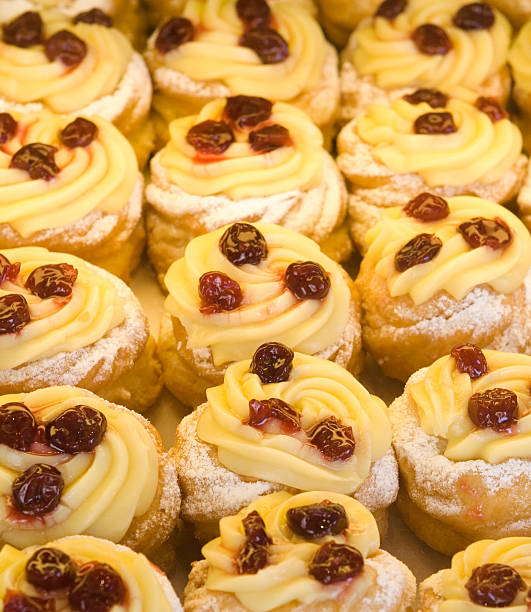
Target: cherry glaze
x=272, y=362
x=335, y=562
x=315, y=521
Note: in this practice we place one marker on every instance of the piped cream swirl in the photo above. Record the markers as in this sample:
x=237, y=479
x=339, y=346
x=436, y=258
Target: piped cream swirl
x=520, y=58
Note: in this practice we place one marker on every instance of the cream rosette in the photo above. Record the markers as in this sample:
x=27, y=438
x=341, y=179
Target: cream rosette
x=316, y=389
x=520, y=59
x=147, y=588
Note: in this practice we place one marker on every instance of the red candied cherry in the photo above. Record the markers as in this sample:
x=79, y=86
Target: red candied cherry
x=470, y=360
x=52, y=280
x=431, y=39
x=173, y=34
x=243, y=243
x=495, y=408
x=8, y=127
x=65, y=47
x=474, y=16
x=50, y=569
x=37, y=159
x=269, y=138
x=433, y=97
x=390, y=9
x=335, y=562
x=254, y=528
x=246, y=112
x=219, y=293
x=18, y=602
x=334, y=440
x=38, y=490
x=97, y=588
x=427, y=207
x=435, y=123
x=18, y=426
x=307, y=280
x=94, y=16
x=253, y=13
x=478, y=232
x=494, y=585
x=76, y=430
x=210, y=137
x=79, y=133
x=315, y=521
x=253, y=555
x=272, y=362
x=420, y=249
x=14, y=313
x=24, y=31
x=492, y=108
x=8, y=271
x=268, y=44
x=273, y=416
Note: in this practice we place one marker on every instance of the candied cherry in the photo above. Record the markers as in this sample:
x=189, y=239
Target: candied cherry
x=317, y=520
x=431, y=39
x=210, y=137
x=420, y=249
x=52, y=281
x=272, y=362
x=307, y=280
x=269, y=138
x=37, y=159
x=243, y=243
x=254, y=528
x=76, y=430
x=94, y=16
x=18, y=602
x=253, y=555
x=470, y=360
x=8, y=127
x=492, y=108
x=435, y=123
x=37, y=490
x=97, y=588
x=173, y=34
x=24, y=31
x=390, y=9
x=494, y=585
x=478, y=232
x=495, y=408
x=273, y=416
x=79, y=133
x=18, y=426
x=268, y=44
x=474, y=16
x=334, y=440
x=8, y=271
x=427, y=207
x=253, y=13
x=246, y=112
x=14, y=313
x=335, y=562
x=219, y=293
x=50, y=569
x=66, y=47
x=433, y=97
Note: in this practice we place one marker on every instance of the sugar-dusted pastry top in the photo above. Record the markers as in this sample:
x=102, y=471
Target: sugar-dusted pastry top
x=520, y=58
x=468, y=139
x=291, y=424
x=106, y=467
x=51, y=302
x=56, y=170
x=288, y=564
x=269, y=149
x=242, y=306
x=278, y=53
x=67, y=65
x=129, y=582
x=472, y=242
x=431, y=44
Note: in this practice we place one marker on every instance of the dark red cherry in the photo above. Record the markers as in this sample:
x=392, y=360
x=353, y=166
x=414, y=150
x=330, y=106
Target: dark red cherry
x=210, y=137
x=334, y=440
x=38, y=490
x=37, y=159
x=335, y=562
x=494, y=233
x=427, y=207
x=65, y=47
x=79, y=133
x=18, y=602
x=97, y=588
x=18, y=426
x=269, y=138
x=433, y=97
x=268, y=44
x=470, y=360
x=474, y=16
x=14, y=313
x=272, y=362
x=317, y=520
x=94, y=16
x=243, y=243
x=254, y=528
x=431, y=39
x=173, y=34
x=273, y=416
x=50, y=569
x=253, y=13
x=253, y=556
x=8, y=127
x=495, y=408
x=246, y=112
x=24, y=31
x=420, y=249
x=435, y=123
x=8, y=271
x=390, y=9
x=494, y=585
x=219, y=293
x=307, y=280
x=52, y=280
x=79, y=429
x=492, y=108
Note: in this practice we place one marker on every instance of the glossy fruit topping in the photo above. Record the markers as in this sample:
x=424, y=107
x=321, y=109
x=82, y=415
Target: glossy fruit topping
x=433, y=97
x=210, y=137
x=494, y=233
x=335, y=562
x=420, y=249
x=24, y=31
x=253, y=13
x=94, y=16
x=66, y=48
x=269, y=138
x=470, y=360
x=18, y=426
x=243, y=243
x=268, y=44
x=173, y=34
x=8, y=271
x=307, y=280
x=219, y=293
x=494, y=585
x=22, y=603
x=50, y=569
x=431, y=39
x=334, y=440
x=79, y=133
x=8, y=127
x=14, y=313
x=390, y=9
x=272, y=362
x=52, y=281
x=38, y=490
x=427, y=207
x=495, y=408
x=254, y=528
x=492, y=108
x=474, y=16
x=97, y=588
x=435, y=123
x=79, y=429
x=246, y=112
x=317, y=520
x=253, y=555
x=273, y=416
x=37, y=159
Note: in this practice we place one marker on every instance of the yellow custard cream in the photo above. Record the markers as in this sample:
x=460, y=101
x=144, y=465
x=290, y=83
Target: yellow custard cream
x=385, y=51
x=98, y=177
x=316, y=389
x=58, y=324
x=269, y=311
x=520, y=58
x=286, y=579
x=457, y=268
x=241, y=172
x=441, y=398
x=479, y=150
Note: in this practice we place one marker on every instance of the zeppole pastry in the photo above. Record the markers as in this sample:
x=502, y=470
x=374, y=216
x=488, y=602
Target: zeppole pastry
x=461, y=433
x=439, y=272
x=489, y=573
x=311, y=552
x=425, y=44
x=313, y=425
x=340, y=17
x=82, y=573
x=64, y=321
x=244, y=159
x=429, y=142
x=72, y=463
x=70, y=184
x=244, y=285
x=217, y=49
